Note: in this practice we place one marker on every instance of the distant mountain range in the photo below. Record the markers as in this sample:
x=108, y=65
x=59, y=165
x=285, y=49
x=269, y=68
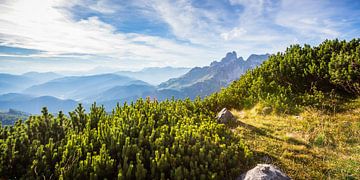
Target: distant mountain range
x=16, y=83
x=34, y=105
x=206, y=80
x=81, y=88
x=29, y=92
x=155, y=75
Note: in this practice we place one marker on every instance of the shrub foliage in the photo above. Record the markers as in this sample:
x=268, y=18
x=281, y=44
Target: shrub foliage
x=298, y=77
x=143, y=140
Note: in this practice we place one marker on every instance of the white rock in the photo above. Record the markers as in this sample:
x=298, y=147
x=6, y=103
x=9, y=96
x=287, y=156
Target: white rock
x=264, y=172
x=225, y=116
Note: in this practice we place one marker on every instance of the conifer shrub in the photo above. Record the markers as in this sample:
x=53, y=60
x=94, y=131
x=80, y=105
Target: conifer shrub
x=320, y=76
x=143, y=140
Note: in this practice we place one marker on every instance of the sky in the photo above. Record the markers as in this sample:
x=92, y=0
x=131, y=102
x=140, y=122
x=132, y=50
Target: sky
x=109, y=35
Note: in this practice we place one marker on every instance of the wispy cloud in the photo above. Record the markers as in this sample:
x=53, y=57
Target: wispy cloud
x=187, y=32
x=48, y=26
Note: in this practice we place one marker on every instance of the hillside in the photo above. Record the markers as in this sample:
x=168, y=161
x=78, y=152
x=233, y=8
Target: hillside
x=11, y=116
x=298, y=110
x=322, y=76
x=33, y=105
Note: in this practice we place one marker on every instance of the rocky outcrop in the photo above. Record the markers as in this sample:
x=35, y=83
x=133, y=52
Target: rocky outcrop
x=264, y=172
x=225, y=116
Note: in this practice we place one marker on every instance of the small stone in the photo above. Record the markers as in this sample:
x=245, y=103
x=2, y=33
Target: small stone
x=224, y=116
x=264, y=172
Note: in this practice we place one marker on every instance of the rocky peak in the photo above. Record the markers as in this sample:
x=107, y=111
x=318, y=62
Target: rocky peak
x=230, y=56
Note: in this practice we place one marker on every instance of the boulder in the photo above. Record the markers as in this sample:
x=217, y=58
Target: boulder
x=264, y=172
x=224, y=116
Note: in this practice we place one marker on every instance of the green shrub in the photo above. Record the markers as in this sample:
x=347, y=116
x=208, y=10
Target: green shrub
x=143, y=140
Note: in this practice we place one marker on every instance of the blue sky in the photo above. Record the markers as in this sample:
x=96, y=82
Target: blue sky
x=81, y=35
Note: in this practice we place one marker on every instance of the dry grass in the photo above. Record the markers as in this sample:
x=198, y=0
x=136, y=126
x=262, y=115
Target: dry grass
x=312, y=145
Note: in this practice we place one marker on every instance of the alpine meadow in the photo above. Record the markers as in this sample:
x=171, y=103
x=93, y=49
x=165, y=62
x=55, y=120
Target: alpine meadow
x=130, y=90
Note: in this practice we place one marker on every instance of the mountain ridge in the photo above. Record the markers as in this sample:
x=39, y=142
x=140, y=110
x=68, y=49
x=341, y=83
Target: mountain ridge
x=208, y=79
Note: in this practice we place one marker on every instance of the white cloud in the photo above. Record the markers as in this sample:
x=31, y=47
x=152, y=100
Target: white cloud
x=202, y=34
x=186, y=21
x=48, y=26
x=234, y=33
x=311, y=19
x=104, y=6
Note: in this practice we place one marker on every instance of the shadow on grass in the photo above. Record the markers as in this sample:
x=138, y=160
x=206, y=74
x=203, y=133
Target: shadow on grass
x=295, y=141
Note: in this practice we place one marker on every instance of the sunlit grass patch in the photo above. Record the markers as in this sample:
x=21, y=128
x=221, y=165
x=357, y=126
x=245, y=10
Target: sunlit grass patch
x=311, y=145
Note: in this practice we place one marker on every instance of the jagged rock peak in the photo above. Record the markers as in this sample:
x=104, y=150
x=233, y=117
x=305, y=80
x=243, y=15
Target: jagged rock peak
x=230, y=56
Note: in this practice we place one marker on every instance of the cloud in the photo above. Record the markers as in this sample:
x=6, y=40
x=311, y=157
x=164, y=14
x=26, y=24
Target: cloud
x=190, y=33
x=234, y=33
x=311, y=19
x=104, y=6
x=48, y=26
x=187, y=22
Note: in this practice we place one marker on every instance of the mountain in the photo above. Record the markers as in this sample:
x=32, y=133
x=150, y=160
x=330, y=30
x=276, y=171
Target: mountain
x=122, y=92
x=11, y=116
x=41, y=77
x=33, y=105
x=15, y=97
x=16, y=83
x=108, y=89
x=155, y=75
x=206, y=80
x=81, y=87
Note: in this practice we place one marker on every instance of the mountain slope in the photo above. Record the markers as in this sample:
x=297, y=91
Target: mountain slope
x=206, y=80
x=155, y=75
x=42, y=77
x=122, y=92
x=34, y=105
x=10, y=83
x=14, y=83
x=80, y=87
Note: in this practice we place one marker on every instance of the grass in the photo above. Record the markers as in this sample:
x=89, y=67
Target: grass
x=312, y=145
